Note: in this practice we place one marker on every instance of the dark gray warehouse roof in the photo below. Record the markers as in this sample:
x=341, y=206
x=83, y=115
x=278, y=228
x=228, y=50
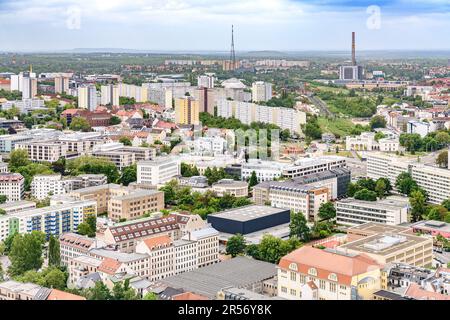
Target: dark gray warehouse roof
x=236, y=272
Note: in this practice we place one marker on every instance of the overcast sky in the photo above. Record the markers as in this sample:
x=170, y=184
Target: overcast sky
x=294, y=25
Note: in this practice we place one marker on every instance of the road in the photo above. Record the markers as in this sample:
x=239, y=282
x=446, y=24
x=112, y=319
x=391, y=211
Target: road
x=322, y=106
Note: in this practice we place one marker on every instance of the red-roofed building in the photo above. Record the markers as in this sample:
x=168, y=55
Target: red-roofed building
x=62, y=295
x=12, y=185
x=338, y=276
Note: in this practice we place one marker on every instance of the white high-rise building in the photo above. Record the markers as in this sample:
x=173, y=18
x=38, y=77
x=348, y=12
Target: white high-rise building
x=261, y=91
x=206, y=81
x=87, y=97
x=29, y=86
x=61, y=84
x=246, y=112
x=110, y=95
x=157, y=171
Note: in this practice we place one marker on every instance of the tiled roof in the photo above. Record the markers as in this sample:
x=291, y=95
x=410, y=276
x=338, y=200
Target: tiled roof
x=159, y=241
x=415, y=291
x=140, y=229
x=188, y=296
x=109, y=266
x=74, y=240
x=326, y=263
x=61, y=295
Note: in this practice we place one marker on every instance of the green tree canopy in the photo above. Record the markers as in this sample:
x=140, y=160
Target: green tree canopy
x=26, y=252
x=327, y=211
x=80, y=124
x=236, y=245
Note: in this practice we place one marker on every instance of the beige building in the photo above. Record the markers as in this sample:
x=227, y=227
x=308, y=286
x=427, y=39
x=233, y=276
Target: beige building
x=187, y=111
x=291, y=195
x=47, y=151
x=122, y=202
x=388, y=244
x=61, y=84
x=314, y=274
x=126, y=235
x=231, y=187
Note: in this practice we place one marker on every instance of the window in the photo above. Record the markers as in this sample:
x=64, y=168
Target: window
x=322, y=284
x=293, y=292
x=293, y=276
x=284, y=289
x=312, y=271
x=333, y=287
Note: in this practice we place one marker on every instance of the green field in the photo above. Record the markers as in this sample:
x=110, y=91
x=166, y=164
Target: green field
x=340, y=127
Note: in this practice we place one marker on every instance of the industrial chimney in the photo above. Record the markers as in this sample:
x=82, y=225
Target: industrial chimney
x=353, y=49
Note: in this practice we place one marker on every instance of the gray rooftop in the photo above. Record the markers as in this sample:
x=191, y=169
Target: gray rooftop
x=248, y=213
x=237, y=272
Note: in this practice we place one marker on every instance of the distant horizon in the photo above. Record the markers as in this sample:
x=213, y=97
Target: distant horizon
x=198, y=25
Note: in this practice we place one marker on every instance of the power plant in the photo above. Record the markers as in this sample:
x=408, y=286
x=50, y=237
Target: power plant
x=353, y=72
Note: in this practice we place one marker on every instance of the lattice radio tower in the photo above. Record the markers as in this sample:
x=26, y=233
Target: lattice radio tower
x=232, y=53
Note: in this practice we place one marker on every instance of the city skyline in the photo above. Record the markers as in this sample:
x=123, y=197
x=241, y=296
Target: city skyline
x=194, y=25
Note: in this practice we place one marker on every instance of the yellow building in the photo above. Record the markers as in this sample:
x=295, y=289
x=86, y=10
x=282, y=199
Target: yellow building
x=187, y=111
x=314, y=274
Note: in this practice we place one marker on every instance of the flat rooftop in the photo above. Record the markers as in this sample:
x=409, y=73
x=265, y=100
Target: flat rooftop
x=236, y=272
x=387, y=203
x=376, y=228
x=248, y=213
x=384, y=244
x=433, y=225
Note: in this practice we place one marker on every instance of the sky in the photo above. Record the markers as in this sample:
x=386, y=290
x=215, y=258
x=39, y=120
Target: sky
x=205, y=25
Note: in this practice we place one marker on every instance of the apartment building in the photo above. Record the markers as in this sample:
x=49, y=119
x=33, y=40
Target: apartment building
x=247, y=112
x=187, y=111
x=158, y=171
x=109, y=95
x=293, y=196
x=435, y=181
x=53, y=220
x=387, y=244
x=12, y=185
x=8, y=142
x=391, y=211
x=126, y=235
x=161, y=251
x=207, y=245
x=87, y=97
x=48, y=151
x=309, y=273
x=308, y=166
x=122, y=202
x=231, y=187
x=261, y=91
x=17, y=206
x=73, y=245
x=82, y=142
x=135, y=204
x=44, y=186
x=123, y=156
x=13, y=290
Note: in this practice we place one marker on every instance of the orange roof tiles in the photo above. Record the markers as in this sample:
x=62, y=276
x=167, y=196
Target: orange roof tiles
x=188, y=296
x=157, y=241
x=109, y=266
x=345, y=267
x=61, y=295
x=416, y=292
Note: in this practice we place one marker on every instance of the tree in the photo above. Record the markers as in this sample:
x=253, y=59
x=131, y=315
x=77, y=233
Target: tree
x=327, y=211
x=442, y=159
x=18, y=158
x=443, y=138
x=129, y=175
x=405, y=183
x=2, y=273
x=272, y=249
x=418, y=204
x=54, y=255
x=446, y=204
x=377, y=122
x=298, y=227
x=253, y=181
x=91, y=220
x=55, y=278
x=7, y=244
x=437, y=213
x=115, y=120
x=169, y=190
x=236, y=245
x=123, y=291
x=99, y=292
x=380, y=188
x=88, y=164
x=3, y=199
x=59, y=166
x=285, y=134
x=80, y=124
x=85, y=230
x=126, y=141
x=150, y=296
x=379, y=135
x=322, y=229
x=26, y=252
x=366, y=195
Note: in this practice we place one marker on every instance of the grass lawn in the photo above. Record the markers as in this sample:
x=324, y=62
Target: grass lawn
x=339, y=127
